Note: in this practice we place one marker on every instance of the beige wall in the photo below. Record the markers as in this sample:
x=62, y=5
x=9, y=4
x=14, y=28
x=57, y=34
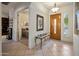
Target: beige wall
x=0, y=32
x=69, y=10
x=34, y=9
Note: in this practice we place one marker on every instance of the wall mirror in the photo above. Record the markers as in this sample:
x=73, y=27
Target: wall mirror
x=66, y=21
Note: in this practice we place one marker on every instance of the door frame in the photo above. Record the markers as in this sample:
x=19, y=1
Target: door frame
x=17, y=12
x=60, y=23
x=15, y=24
x=18, y=22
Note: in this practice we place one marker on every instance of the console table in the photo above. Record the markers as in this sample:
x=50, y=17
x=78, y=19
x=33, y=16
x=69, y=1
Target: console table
x=41, y=37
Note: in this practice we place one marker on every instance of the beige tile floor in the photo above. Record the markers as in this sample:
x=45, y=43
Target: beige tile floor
x=49, y=48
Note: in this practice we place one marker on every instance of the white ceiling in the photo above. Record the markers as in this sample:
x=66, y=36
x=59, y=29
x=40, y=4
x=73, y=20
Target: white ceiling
x=6, y=8
x=50, y=5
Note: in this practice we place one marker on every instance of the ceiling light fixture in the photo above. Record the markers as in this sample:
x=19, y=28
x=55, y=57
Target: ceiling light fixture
x=55, y=8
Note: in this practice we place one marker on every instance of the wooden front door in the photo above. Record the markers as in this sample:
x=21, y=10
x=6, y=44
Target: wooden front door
x=55, y=26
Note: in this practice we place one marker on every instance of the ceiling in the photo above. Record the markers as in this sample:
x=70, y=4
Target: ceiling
x=50, y=5
x=6, y=7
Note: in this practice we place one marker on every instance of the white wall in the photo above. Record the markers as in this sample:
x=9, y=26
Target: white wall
x=76, y=44
x=0, y=33
x=5, y=11
x=4, y=15
x=11, y=15
x=76, y=33
x=34, y=9
x=69, y=10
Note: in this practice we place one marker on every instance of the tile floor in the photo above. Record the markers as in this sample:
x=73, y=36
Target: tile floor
x=49, y=48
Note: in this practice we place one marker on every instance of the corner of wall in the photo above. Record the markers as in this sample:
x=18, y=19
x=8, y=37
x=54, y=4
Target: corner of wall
x=37, y=8
x=0, y=32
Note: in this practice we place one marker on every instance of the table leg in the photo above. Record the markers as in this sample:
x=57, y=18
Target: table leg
x=41, y=42
x=35, y=42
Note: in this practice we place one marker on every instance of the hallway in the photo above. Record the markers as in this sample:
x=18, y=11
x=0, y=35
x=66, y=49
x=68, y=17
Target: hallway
x=49, y=48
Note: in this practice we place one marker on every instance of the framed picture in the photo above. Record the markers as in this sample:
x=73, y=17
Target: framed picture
x=40, y=23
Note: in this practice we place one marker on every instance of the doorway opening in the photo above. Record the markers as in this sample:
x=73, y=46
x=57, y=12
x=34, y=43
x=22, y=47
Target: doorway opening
x=22, y=26
x=55, y=26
